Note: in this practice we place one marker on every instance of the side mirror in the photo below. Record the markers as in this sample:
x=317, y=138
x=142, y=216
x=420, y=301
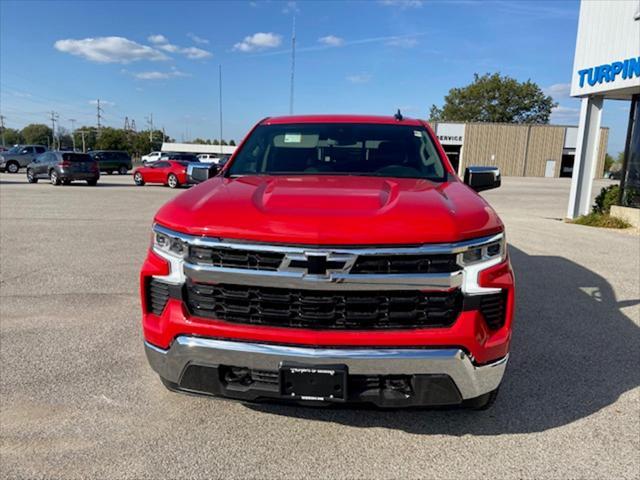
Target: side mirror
x=201, y=172
x=482, y=178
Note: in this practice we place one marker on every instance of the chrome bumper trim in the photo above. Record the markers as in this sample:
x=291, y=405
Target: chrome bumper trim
x=471, y=380
x=302, y=281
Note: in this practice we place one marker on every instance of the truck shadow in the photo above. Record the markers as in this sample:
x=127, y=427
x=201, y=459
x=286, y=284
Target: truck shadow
x=573, y=353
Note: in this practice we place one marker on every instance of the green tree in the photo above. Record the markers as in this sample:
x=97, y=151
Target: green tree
x=232, y=143
x=112, y=139
x=495, y=98
x=11, y=136
x=37, y=133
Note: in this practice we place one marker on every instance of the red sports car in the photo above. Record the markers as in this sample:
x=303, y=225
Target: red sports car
x=166, y=171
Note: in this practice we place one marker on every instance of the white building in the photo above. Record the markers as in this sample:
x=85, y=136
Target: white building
x=606, y=66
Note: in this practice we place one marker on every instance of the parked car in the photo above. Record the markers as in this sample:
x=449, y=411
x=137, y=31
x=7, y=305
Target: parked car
x=333, y=259
x=151, y=157
x=112, y=161
x=64, y=168
x=168, y=172
x=210, y=158
x=180, y=157
x=19, y=157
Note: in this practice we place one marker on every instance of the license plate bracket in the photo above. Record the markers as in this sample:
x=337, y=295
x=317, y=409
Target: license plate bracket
x=325, y=383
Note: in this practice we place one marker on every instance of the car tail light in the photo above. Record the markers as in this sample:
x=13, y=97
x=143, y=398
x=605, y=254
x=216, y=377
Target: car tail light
x=64, y=163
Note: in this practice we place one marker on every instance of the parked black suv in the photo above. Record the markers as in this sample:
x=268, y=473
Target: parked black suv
x=63, y=167
x=112, y=161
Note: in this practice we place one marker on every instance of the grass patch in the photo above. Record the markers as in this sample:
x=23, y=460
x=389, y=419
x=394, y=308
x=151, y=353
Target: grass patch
x=602, y=220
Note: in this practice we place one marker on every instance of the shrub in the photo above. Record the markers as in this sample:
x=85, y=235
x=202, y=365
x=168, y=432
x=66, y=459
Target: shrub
x=601, y=220
x=608, y=196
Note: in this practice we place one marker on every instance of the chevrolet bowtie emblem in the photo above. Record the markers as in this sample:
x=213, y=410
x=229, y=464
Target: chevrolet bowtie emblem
x=318, y=264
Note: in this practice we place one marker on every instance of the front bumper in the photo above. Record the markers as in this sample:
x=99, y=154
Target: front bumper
x=431, y=376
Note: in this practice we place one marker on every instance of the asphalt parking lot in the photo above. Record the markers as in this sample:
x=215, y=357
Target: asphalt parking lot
x=78, y=400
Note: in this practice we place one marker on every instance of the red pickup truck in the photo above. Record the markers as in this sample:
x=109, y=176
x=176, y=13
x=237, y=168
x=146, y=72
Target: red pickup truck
x=333, y=259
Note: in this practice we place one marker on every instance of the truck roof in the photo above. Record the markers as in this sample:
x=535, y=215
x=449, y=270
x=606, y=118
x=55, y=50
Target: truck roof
x=380, y=119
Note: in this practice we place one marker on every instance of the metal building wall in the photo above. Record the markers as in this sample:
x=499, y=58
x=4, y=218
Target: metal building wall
x=520, y=150
x=507, y=143
x=545, y=143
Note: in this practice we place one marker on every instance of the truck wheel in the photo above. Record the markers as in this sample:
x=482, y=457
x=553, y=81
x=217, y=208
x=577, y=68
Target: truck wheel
x=109, y=172
x=172, y=181
x=138, y=180
x=66, y=182
x=54, y=178
x=483, y=402
x=123, y=170
x=31, y=178
x=92, y=183
x=12, y=167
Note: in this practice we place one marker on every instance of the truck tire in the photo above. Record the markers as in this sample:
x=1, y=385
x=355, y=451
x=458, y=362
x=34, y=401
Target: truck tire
x=31, y=178
x=12, y=167
x=172, y=181
x=483, y=402
x=54, y=178
x=92, y=183
x=123, y=170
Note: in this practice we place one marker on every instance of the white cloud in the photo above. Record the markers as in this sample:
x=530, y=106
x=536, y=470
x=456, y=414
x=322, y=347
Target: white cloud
x=109, y=50
x=258, y=41
x=558, y=90
x=359, y=78
x=331, y=41
x=156, y=75
x=402, y=42
x=195, y=53
x=402, y=3
x=564, y=114
x=197, y=39
x=157, y=39
x=103, y=103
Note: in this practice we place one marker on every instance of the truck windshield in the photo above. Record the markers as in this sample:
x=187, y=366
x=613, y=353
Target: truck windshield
x=404, y=151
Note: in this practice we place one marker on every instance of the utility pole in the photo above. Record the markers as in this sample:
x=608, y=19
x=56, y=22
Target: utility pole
x=2, y=127
x=73, y=132
x=84, y=148
x=54, y=118
x=150, y=124
x=220, y=103
x=293, y=63
x=99, y=115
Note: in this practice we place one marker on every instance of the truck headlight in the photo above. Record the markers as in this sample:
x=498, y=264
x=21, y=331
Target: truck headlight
x=172, y=245
x=490, y=251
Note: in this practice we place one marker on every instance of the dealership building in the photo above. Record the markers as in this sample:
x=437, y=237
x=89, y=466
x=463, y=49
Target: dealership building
x=606, y=67
x=521, y=150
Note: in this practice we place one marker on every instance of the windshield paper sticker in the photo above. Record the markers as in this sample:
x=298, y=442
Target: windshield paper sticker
x=292, y=137
x=417, y=133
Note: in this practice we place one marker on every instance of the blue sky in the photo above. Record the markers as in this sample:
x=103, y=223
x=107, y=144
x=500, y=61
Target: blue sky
x=162, y=58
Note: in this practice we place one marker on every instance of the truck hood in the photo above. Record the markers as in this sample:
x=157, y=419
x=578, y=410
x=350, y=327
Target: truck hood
x=331, y=210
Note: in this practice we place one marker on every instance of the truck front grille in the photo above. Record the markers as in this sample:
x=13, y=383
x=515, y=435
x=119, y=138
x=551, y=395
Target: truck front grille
x=388, y=264
x=312, y=309
x=234, y=258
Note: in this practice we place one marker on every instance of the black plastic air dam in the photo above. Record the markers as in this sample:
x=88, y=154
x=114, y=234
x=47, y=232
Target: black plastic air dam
x=386, y=391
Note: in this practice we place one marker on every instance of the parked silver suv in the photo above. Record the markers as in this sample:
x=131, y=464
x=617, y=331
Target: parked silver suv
x=19, y=157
